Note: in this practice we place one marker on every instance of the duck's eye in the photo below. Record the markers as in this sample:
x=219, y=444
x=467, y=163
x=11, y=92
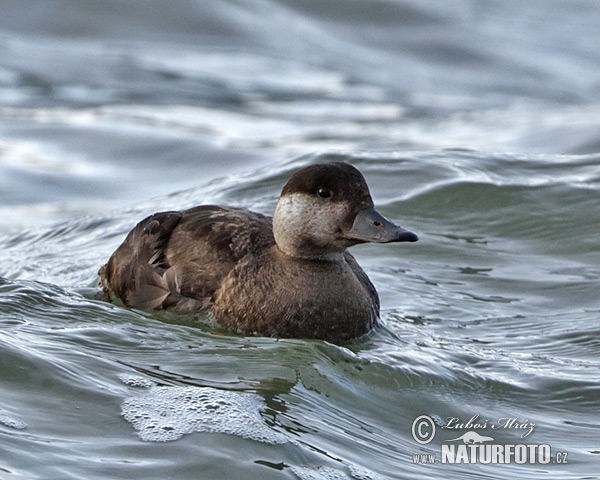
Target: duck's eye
x=324, y=193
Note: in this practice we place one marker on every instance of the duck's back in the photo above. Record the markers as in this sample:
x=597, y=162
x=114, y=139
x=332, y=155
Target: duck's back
x=209, y=241
x=179, y=259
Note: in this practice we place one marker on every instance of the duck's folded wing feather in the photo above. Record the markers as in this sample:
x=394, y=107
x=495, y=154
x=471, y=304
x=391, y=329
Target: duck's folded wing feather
x=179, y=259
x=208, y=243
x=235, y=232
x=135, y=271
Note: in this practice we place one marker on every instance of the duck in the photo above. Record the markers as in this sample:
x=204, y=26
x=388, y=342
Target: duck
x=286, y=276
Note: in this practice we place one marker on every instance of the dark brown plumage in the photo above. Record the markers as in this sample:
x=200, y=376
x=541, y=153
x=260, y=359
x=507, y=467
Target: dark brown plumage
x=227, y=260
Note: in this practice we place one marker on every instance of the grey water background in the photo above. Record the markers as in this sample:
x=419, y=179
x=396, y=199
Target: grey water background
x=476, y=124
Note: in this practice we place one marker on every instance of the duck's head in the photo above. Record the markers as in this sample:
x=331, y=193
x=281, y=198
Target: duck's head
x=327, y=208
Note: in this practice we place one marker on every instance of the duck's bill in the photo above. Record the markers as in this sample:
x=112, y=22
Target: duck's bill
x=370, y=226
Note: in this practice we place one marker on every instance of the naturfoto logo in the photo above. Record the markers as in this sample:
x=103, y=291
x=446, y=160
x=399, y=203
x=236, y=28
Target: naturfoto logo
x=475, y=447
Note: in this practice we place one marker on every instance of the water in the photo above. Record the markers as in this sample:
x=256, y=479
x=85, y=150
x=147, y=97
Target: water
x=476, y=125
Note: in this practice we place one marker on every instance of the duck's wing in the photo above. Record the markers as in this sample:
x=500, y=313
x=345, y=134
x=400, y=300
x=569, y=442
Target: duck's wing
x=136, y=270
x=178, y=259
x=209, y=241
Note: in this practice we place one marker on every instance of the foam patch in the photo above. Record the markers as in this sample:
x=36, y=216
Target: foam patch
x=12, y=422
x=360, y=473
x=135, y=381
x=167, y=413
x=329, y=473
x=319, y=473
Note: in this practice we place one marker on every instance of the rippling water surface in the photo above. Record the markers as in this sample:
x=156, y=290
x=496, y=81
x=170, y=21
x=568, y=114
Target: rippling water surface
x=476, y=125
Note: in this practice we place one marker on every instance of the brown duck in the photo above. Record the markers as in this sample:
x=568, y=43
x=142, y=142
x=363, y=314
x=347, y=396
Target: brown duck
x=285, y=276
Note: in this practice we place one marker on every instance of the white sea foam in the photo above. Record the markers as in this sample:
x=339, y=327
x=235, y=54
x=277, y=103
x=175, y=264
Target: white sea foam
x=163, y=414
x=330, y=473
x=361, y=473
x=12, y=422
x=135, y=381
x=319, y=473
